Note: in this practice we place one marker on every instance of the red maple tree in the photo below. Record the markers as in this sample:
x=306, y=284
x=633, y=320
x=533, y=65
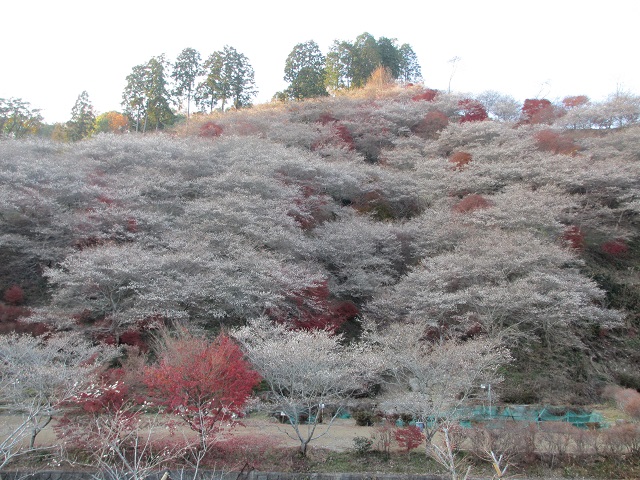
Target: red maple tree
x=409, y=437
x=204, y=383
x=536, y=110
x=472, y=111
x=431, y=124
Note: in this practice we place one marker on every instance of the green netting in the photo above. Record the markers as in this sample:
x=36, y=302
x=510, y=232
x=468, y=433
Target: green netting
x=529, y=413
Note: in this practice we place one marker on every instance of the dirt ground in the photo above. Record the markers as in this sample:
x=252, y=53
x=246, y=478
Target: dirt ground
x=339, y=437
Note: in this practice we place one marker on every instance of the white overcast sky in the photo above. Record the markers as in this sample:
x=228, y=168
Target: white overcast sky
x=53, y=50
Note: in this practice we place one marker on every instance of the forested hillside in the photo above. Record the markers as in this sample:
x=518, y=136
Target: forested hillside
x=395, y=209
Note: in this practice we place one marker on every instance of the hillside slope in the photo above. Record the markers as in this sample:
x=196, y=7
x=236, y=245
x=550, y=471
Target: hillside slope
x=392, y=206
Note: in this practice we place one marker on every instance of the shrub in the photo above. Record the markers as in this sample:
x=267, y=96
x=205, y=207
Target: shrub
x=343, y=133
x=428, y=95
x=383, y=436
x=409, y=437
x=558, y=438
x=210, y=130
x=431, y=124
x=556, y=143
x=615, y=248
x=236, y=451
x=11, y=313
x=362, y=445
x=621, y=440
x=363, y=418
x=627, y=399
x=516, y=441
x=574, y=237
x=133, y=338
x=14, y=295
x=460, y=159
x=471, y=203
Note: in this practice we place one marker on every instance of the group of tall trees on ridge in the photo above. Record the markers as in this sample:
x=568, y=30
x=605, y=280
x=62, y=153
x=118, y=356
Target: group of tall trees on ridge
x=347, y=65
x=224, y=80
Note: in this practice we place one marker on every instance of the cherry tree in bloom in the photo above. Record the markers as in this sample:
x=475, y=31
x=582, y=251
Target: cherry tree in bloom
x=310, y=374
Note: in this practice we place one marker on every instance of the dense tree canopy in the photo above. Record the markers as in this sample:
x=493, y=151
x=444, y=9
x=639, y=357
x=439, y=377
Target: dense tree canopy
x=351, y=64
x=304, y=70
x=17, y=118
x=146, y=97
x=229, y=78
x=186, y=70
x=83, y=119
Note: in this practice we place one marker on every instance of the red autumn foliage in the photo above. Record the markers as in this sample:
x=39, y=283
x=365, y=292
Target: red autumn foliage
x=95, y=414
x=16, y=326
x=428, y=96
x=537, y=111
x=615, y=248
x=342, y=135
x=409, y=437
x=132, y=225
x=210, y=130
x=431, y=124
x=14, y=295
x=342, y=132
x=460, y=159
x=205, y=383
x=11, y=313
x=471, y=203
x=554, y=142
x=106, y=200
x=314, y=309
x=108, y=395
x=134, y=338
x=472, y=111
x=574, y=237
x=571, y=102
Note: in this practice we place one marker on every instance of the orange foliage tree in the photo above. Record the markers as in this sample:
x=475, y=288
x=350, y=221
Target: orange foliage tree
x=570, y=102
x=112, y=122
x=460, y=159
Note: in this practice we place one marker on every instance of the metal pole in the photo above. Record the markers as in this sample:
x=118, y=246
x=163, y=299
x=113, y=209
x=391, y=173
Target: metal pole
x=490, y=411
